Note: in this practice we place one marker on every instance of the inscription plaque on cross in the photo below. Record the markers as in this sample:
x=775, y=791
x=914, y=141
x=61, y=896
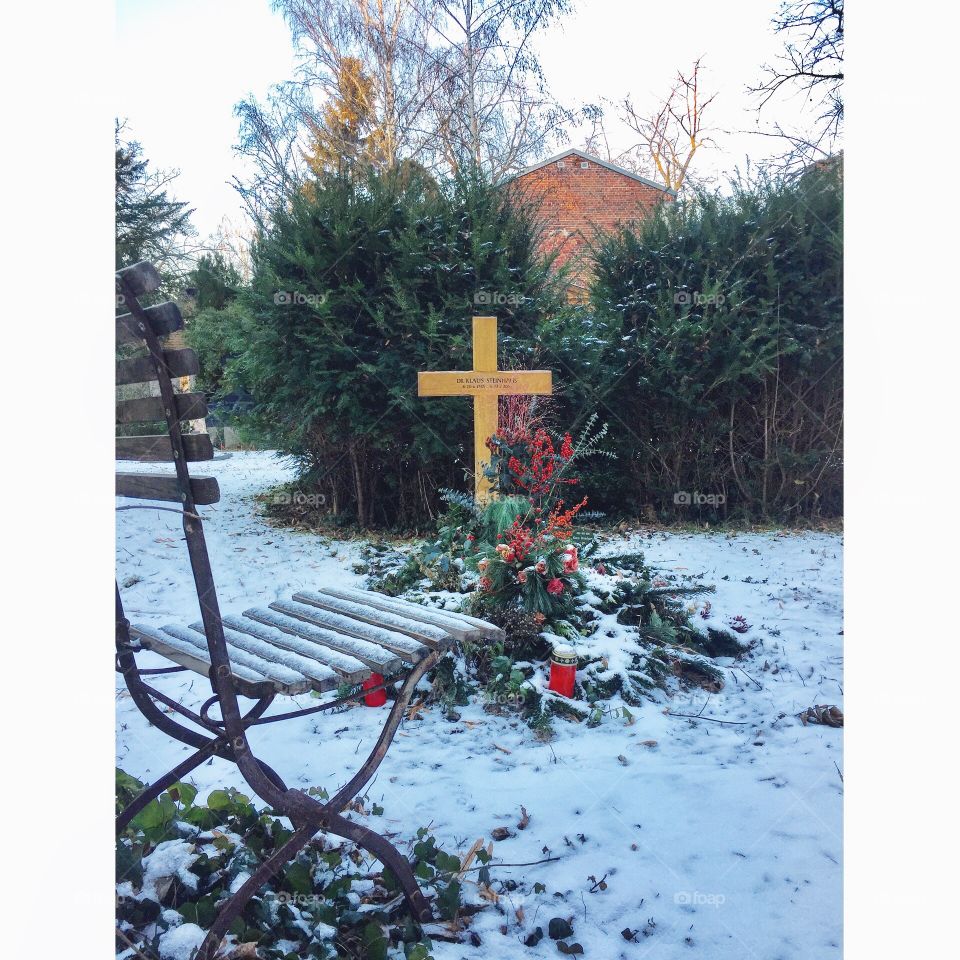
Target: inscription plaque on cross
x=486, y=384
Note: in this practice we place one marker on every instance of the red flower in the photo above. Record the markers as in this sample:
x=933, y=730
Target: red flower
x=522, y=576
x=541, y=566
x=485, y=583
x=555, y=587
x=566, y=450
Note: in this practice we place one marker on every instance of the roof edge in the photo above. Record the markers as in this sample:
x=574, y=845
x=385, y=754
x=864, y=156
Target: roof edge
x=589, y=156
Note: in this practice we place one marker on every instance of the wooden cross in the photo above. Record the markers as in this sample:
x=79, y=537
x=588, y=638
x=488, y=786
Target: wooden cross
x=486, y=384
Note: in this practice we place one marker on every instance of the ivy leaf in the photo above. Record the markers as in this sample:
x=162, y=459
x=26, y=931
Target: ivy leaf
x=376, y=943
x=448, y=900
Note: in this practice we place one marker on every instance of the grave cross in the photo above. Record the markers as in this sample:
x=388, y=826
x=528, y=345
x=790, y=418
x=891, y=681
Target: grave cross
x=486, y=384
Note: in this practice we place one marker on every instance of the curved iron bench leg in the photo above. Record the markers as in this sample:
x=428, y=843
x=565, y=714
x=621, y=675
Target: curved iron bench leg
x=389, y=856
x=360, y=779
x=232, y=907
x=171, y=776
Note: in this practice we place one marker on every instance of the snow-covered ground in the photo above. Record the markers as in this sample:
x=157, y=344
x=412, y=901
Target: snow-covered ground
x=722, y=840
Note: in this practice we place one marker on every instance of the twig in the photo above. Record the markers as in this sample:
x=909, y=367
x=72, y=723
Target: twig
x=134, y=946
x=838, y=771
x=696, y=716
x=747, y=675
x=531, y=863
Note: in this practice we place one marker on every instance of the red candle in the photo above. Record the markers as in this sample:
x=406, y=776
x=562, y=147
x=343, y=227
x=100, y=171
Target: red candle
x=379, y=697
x=563, y=670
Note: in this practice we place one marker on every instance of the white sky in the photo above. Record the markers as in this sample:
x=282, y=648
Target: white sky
x=215, y=52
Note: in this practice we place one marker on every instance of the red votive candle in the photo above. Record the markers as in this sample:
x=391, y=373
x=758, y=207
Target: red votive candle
x=379, y=697
x=563, y=670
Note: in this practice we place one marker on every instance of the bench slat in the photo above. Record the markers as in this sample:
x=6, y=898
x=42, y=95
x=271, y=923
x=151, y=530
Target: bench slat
x=157, y=447
x=164, y=319
x=247, y=682
x=349, y=669
x=426, y=633
x=376, y=658
x=164, y=486
x=141, y=278
x=403, y=646
x=284, y=680
x=322, y=677
x=180, y=363
x=458, y=625
x=189, y=406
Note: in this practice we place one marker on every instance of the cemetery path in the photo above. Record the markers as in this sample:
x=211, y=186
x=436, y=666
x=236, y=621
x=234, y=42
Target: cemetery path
x=721, y=840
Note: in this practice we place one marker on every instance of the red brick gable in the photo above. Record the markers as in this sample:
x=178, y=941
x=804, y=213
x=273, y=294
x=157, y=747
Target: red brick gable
x=577, y=195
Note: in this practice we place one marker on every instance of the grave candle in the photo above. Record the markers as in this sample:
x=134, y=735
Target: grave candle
x=563, y=670
x=379, y=697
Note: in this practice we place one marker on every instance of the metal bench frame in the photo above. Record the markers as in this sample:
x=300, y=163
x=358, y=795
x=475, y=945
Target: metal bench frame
x=226, y=738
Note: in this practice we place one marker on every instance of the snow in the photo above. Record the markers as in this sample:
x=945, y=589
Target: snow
x=716, y=840
x=181, y=942
x=171, y=858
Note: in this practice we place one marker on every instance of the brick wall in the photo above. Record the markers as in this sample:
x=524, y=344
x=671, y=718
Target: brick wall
x=575, y=201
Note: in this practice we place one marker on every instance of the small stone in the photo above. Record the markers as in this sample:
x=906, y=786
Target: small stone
x=559, y=928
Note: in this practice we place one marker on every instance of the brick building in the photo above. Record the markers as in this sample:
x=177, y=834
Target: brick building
x=579, y=194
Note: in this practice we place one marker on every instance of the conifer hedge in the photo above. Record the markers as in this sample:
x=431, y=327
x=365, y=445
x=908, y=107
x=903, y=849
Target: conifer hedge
x=356, y=287
x=711, y=345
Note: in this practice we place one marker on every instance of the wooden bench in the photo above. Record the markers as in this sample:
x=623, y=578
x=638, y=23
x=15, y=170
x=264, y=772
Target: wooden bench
x=317, y=641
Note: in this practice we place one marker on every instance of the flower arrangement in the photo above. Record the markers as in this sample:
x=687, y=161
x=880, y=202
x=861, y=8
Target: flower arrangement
x=530, y=464
x=534, y=563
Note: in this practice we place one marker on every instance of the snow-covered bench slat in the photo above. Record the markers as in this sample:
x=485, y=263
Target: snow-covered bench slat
x=376, y=658
x=348, y=669
x=403, y=646
x=458, y=625
x=247, y=682
x=433, y=636
x=259, y=639
x=285, y=680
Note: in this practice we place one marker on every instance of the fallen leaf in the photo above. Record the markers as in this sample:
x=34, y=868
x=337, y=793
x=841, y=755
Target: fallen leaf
x=415, y=709
x=524, y=819
x=648, y=743
x=500, y=833
x=501, y=749
x=829, y=716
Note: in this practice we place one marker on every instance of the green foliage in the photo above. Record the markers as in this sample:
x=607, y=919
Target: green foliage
x=213, y=282
x=228, y=837
x=218, y=335
x=355, y=289
x=713, y=343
